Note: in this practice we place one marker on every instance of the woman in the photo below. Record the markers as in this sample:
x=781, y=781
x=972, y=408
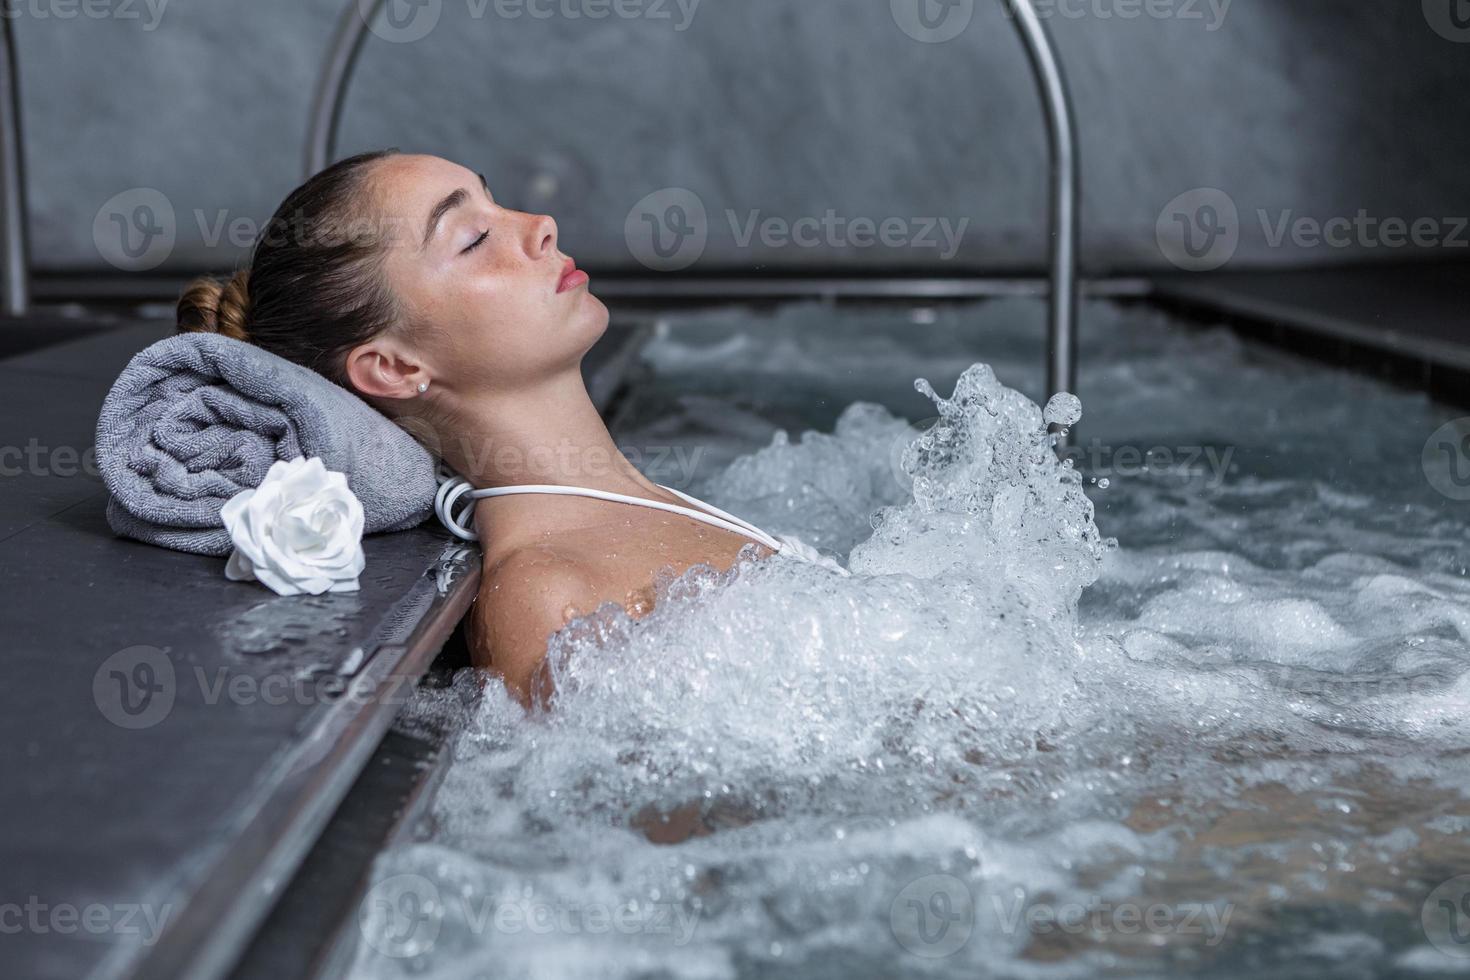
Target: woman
x=400, y=277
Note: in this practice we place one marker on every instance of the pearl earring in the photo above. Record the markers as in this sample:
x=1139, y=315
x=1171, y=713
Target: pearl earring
x=423, y=387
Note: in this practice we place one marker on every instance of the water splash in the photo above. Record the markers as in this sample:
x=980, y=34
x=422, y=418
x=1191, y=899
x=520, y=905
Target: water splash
x=1000, y=717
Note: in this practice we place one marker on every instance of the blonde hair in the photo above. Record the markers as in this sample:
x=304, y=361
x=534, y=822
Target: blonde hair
x=211, y=306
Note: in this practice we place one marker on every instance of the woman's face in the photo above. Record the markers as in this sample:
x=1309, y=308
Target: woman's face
x=490, y=299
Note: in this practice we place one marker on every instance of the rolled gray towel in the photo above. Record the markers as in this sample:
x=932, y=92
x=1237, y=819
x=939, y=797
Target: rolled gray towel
x=197, y=417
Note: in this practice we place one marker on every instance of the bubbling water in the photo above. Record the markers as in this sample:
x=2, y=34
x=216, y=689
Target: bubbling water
x=803, y=711
x=937, y=765
x=748, y=689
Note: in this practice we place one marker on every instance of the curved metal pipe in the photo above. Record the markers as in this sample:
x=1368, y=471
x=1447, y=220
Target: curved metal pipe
x=1064, y=185
x=15, y=265
x=1061, y=131
x=331, y=87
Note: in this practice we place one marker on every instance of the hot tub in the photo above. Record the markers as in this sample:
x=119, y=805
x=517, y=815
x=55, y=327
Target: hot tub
x=1191, y=702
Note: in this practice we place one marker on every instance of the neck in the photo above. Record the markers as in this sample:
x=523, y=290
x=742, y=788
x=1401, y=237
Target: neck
x=549, y=433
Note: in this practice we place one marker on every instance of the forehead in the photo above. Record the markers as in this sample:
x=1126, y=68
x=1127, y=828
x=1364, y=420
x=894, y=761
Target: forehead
x=406, y=187
x=416, y=181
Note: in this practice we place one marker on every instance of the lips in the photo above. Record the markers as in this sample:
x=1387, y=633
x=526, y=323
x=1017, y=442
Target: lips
x=571, y=277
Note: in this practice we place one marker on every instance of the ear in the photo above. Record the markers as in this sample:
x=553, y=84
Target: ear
x=380, y=369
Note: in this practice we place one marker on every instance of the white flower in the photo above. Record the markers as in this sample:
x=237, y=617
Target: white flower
x=299, y=531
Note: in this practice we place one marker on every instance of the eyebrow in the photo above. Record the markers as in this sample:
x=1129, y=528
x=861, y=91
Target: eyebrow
x=450, y=202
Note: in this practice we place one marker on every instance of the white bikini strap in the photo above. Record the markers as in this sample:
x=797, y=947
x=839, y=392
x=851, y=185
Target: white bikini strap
x=716, y=511
x=453, y=490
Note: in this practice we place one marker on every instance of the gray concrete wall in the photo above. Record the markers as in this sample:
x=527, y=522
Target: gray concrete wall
x=783, y=109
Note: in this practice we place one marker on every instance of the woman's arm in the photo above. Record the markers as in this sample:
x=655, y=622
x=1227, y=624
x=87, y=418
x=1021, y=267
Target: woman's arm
x=523, y=600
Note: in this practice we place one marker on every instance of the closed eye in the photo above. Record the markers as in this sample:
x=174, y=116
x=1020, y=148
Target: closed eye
x=476, y=243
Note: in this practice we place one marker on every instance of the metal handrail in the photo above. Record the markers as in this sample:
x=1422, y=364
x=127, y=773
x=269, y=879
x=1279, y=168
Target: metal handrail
x=15, y=264
x=1065, y=194
x=331, y=87
x=1056, y=101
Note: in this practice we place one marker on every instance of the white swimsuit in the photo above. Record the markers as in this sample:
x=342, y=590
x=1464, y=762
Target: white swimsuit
x=454, y=489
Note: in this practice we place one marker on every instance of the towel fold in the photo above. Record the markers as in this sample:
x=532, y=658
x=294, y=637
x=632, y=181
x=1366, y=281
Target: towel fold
x=197, y=417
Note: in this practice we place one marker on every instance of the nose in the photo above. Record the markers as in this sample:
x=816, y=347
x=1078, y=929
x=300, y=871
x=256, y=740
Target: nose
x=540, y=236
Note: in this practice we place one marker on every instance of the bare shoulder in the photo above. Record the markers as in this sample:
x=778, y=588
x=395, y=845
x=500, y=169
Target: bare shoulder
x=525, y=597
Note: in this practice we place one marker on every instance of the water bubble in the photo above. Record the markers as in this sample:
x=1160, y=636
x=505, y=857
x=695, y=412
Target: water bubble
x=1063, y=409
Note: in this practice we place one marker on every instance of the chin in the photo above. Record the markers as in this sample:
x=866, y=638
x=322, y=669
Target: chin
x=597, y=315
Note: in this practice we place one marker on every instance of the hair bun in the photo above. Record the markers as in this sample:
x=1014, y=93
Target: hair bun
x=211, y=306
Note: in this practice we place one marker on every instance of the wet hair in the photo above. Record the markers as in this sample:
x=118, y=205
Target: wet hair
x=313, y=289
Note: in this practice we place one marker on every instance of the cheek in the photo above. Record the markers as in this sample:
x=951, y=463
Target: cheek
x=496, y=306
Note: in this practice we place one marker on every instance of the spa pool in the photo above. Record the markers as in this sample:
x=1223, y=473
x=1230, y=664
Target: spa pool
x=1193, y=705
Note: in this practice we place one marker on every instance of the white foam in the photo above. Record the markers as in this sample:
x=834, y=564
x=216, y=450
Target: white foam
x=998, y=696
